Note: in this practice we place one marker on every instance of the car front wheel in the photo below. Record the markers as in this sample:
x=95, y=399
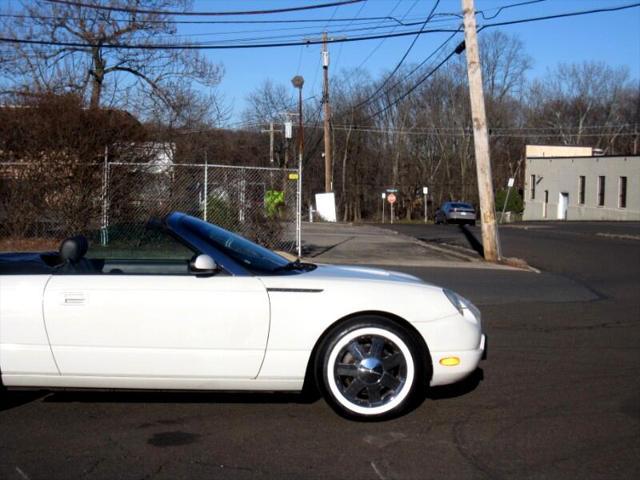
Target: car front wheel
x=371, y=368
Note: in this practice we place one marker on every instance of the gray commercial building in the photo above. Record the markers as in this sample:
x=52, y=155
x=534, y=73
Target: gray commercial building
x=582, y=188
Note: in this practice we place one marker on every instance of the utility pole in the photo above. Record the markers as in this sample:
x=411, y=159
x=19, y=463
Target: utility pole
x=328, y=174
x=480, y=136
x=271, y=133
x=328, y=165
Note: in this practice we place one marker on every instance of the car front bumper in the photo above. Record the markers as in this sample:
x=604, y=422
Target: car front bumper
x=445, y=373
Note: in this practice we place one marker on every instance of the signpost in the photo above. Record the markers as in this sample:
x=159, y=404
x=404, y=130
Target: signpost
x=425, y=191
x=384, y=195
x=510, y=184
x=391, y=198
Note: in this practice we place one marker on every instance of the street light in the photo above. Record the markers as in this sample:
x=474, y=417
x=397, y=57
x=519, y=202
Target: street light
x=298, y=82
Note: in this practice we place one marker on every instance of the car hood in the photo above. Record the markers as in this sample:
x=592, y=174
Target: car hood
x=361, y=273
x=325, y=272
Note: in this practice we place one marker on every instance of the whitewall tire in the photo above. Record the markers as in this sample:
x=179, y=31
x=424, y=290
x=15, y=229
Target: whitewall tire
x=370, y=368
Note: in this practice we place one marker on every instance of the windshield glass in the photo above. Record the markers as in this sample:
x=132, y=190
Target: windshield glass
x=251, y=256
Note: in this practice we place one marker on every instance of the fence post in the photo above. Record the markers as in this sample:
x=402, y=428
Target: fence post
x=299, y=209
x=243, y=196
x=104, y=227
x=206, y=186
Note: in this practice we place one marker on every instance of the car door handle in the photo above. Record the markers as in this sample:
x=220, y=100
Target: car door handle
x=73, y=298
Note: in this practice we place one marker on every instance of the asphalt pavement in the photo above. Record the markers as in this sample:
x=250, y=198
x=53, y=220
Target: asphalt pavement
x=558, y=397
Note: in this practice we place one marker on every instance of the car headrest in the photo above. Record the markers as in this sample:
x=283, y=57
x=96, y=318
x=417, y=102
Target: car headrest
x=74, y=248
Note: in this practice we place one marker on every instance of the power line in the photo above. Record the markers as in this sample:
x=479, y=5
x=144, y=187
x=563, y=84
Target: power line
x=416, y=85
x=273, y=37
x=417, y=67
x=469, y=131
x=404, y=57
x=339, y=29
x=343, y=31
x=377, y=47
x=201, y=46
x=562, y=15
x=394, y=20
x=422, y=80
x=514, y=132
x=201, y=14
x=572, y=129
x=305, y=42
x=500, y=9
x=315, y=77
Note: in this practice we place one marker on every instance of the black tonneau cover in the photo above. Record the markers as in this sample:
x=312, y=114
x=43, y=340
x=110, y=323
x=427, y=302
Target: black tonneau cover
x=28, y=263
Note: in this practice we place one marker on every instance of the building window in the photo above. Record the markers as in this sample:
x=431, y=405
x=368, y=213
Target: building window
x=544, y=205
x=601, y=191
x=622, y=193
x=533, y=187
x=581, y=188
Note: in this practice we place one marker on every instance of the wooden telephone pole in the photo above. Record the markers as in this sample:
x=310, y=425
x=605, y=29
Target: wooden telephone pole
x=328, y=166
x=480, y=136
x=271, y=131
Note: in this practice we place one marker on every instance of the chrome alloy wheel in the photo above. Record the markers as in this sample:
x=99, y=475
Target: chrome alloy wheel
x=370, y=371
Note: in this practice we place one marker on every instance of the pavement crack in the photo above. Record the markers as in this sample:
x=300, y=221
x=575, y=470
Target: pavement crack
x=382, y=441
x=222, y=466
x=155, y=473
x=381, y=470
x=597, y=326
x=94, y=465
x=22, y=474
x=472, y=459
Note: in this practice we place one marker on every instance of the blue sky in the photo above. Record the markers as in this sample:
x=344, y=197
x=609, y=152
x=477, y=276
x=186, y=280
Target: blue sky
x=612, y=37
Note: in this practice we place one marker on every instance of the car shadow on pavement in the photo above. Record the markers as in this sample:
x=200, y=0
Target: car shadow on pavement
x=458, y=389
x=13, y=399
x=98, y=396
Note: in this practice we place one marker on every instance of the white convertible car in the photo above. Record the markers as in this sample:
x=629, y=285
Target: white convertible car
x=218, y=312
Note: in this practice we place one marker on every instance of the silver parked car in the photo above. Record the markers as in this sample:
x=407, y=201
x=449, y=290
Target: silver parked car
x=456, y=212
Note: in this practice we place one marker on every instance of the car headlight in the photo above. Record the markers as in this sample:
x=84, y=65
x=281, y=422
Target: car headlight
x=454, y=298
x=461, y=304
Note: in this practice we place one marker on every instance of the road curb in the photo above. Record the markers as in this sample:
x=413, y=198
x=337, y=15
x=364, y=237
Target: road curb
x=471, y=256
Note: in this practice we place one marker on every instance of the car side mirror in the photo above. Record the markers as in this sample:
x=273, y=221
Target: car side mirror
x=203, y=265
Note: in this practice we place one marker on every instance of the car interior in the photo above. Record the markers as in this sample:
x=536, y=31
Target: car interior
x=71, y=259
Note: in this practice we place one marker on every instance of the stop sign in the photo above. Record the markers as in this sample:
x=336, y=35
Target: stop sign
x=391, y=198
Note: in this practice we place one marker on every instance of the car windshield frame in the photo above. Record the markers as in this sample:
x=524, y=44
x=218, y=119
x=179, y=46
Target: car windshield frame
x=249, y=255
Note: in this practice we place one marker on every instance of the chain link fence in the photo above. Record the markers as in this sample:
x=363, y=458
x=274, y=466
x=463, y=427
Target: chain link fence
x=112, y=202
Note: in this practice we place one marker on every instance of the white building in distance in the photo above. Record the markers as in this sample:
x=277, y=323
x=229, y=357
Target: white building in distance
x=571, y=183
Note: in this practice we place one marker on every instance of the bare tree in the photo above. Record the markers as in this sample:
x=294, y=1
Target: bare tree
x=573, y=98
x=95, y=69
x=504, y=65
x=268, y=103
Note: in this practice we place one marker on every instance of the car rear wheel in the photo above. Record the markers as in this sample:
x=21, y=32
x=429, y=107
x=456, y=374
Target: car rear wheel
x=371, y=368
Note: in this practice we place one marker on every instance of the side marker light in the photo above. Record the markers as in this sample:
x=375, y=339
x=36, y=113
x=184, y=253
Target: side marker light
x=450, y=361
